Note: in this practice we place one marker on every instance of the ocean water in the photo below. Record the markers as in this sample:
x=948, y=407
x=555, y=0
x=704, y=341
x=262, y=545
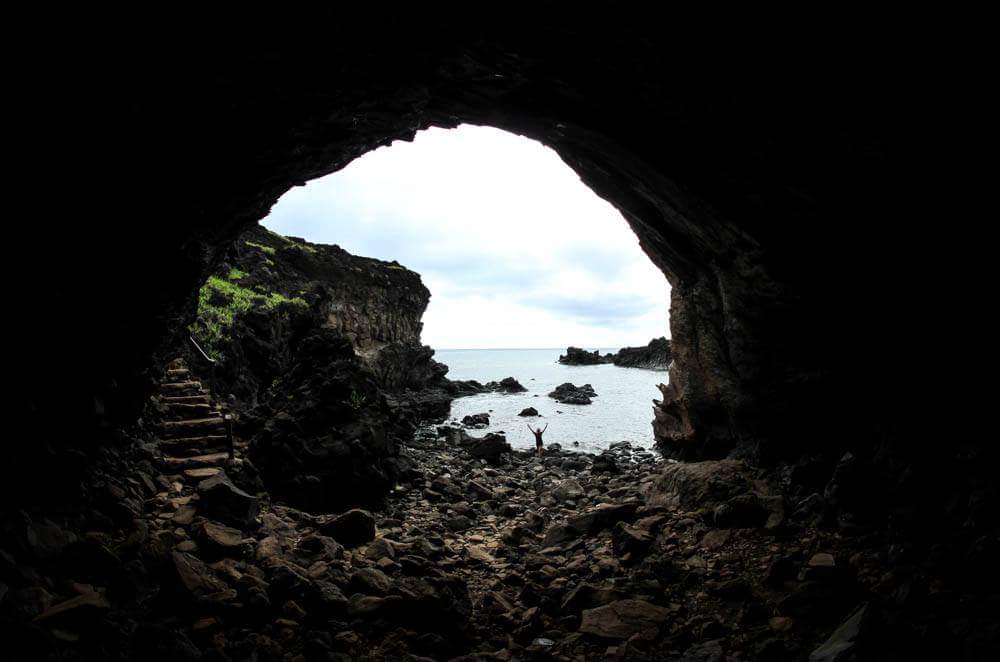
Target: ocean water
x=622, y=410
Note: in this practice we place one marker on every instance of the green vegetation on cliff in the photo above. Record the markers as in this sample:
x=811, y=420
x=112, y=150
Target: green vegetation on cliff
x=222, y=300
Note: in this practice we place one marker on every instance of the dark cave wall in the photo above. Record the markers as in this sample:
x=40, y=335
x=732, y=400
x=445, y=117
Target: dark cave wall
x=746, y=180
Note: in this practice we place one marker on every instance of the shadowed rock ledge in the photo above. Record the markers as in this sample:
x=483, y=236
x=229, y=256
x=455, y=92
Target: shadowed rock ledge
x=654, y=356
x=319, y=353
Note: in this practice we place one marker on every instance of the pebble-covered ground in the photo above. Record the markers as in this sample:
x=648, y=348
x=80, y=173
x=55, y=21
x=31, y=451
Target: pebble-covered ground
x=509, y=556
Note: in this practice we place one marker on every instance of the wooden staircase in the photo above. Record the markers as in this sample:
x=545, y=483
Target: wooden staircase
x=195, y=436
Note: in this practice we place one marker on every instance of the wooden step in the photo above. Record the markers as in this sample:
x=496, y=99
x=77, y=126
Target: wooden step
x=186, y=443
x=178, y=373
x=190, y=409
x=194, y=451
x=202, y=473
x=176, y=388
x=196, y=461
x=192, y=427
x=186, y=399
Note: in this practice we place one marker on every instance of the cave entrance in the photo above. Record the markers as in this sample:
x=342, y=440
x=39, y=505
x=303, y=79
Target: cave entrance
x=521, y=259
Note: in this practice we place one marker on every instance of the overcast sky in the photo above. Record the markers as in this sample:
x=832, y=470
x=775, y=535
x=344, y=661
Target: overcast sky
x=515, y=249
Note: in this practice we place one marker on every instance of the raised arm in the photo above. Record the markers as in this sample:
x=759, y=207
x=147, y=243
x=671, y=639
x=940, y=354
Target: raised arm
x=546, y=427
x=529, y=428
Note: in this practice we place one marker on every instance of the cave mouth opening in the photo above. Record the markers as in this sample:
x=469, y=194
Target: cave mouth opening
x=753, y=184
x=522, y=261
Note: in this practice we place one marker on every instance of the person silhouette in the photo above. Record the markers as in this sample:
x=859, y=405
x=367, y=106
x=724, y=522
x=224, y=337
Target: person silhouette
x=538, y=437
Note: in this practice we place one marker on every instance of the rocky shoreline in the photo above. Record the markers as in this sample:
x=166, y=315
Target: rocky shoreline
x=477, y=553
x=654, y=356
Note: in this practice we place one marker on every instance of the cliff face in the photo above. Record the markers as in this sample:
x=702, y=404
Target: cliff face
x=270, y=290
x=319, y=351
x=654, y=356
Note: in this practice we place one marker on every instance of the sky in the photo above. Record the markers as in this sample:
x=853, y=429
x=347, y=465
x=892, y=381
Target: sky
x=516, y=251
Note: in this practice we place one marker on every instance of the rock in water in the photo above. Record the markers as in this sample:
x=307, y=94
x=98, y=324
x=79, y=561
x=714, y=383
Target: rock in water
x=622, y=619
x=476, y=420
x=570, y=394
x=529, y=411
x=353, y=528
x=654, y=356
x=222, y=500
x=506, y=385
x=577, y=356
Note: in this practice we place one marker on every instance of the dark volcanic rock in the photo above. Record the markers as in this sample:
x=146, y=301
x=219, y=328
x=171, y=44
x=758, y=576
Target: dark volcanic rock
x=731, y=172
x=569, y=394
x=329, y=444
x=222, y=500
x=476, y=420
x=292, y=285
x=654, y=356
x=353, y=528
x=577, y=356
x=505, y=385
x=701, y=484
x=622, y=619
x=490, y=448
x=529, y=411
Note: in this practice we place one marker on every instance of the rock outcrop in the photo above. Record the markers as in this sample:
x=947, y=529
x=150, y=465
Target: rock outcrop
x=654, y=356
x=577, y=356
x=570, y=394
x=320, y=353
x=505, y=385
x=270, y=291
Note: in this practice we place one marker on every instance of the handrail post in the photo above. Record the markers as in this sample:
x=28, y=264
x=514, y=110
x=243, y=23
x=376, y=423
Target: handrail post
x=230, y=445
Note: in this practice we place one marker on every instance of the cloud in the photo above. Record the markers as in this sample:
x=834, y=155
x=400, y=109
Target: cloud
x=592, y=311
x=501, y=230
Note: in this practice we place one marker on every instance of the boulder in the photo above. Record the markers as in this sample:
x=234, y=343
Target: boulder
x=622, y=619
x=630, y=542
x=603, y=516
x=196, y=577
x=605, y=463
x=83, y=610
x=570, y=394
x=654, y=356
x=588, y=596
x=568, y=490
x=577, y=356
x=351, y=529
x=489, y=448
x=529, y=411
x=222, y=500
x=844, y=643
x=219, y=538
x=506, y=385
x=46, y=539
x=476, y=420
x=694, y=485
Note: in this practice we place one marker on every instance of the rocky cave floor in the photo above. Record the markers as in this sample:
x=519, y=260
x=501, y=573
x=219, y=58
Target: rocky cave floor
x=564, y=557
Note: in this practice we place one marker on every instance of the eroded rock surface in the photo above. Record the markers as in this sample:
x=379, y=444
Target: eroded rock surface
x=573, y=395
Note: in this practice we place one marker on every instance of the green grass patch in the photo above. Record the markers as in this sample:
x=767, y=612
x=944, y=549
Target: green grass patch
x=291, y=243
x=270, y=250
x=221, y=301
